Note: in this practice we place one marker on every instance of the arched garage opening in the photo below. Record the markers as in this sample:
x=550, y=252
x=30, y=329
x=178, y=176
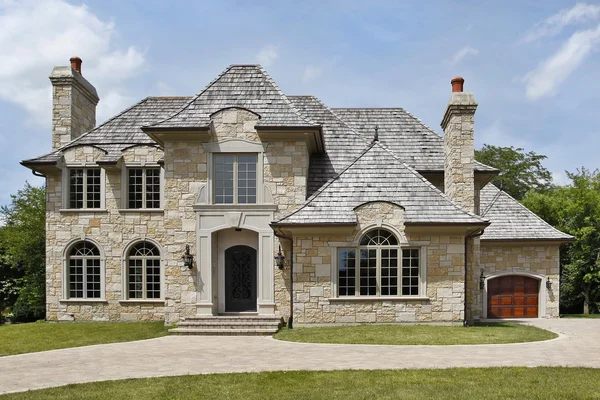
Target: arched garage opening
x=514, y=295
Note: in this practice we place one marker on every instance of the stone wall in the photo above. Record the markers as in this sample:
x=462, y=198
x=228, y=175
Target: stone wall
x=542, y=259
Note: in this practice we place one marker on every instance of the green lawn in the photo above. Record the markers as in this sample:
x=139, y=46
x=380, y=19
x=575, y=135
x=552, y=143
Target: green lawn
x=580, y=316
x=417, y=334
x=28, y=338
x=461, y=383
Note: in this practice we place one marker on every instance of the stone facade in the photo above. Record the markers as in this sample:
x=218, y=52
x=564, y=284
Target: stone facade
x=73, y=106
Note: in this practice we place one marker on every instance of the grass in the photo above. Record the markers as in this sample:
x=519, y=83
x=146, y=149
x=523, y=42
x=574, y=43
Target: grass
x=458, y=383
x=417, y=334
x=41, y=336
x=580, y=316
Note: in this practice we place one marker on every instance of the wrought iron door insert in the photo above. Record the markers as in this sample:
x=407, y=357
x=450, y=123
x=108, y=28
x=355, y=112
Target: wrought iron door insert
x=240, y=279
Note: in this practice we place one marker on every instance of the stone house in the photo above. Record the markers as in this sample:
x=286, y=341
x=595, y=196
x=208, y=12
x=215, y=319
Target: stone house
x=244, y=201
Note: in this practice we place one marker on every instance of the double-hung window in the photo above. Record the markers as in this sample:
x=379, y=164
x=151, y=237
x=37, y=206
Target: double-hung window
x=143, y=187
x=235, y=178
x=85, y=188
x=379, y=267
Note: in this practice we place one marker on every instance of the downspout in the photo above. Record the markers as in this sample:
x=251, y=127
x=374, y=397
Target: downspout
x=282, y=236
x=472, y=235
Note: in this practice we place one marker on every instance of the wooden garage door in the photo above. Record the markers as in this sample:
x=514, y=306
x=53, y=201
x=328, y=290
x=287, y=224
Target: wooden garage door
x=513, y=296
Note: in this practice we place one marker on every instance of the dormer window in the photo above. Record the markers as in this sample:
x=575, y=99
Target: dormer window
x=235, y=178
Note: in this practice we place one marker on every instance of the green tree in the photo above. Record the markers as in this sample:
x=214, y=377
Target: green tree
x=520, y=172
x=575, y=209
x=23, y=253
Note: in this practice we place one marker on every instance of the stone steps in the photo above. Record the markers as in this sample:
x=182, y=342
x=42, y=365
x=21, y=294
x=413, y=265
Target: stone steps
x=245, y=324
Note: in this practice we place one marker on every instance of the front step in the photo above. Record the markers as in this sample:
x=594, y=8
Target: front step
x=228, y=325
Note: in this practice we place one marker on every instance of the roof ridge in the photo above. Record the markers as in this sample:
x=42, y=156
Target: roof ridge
x=169, y=97
x=429, y=184
x=284, y=97
x=327, y=184
x=503, y=193
x=194, y=98
x=70, y=144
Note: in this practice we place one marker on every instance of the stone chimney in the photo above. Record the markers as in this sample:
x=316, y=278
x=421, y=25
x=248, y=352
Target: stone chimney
x=459, y=146
x=74, y=102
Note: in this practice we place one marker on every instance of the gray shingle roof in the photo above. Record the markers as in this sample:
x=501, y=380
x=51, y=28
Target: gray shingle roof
x=378, y=175
x=415, y=143
x=245, y=86
x=513, y=221
x=122, y=130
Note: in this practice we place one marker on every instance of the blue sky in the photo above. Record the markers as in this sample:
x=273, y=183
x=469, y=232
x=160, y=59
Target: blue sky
x=532, y=65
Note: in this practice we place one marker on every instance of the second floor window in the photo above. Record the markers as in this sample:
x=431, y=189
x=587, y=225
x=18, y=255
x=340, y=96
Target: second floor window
x=143, y=187
x=84, y=188
x=235, y=178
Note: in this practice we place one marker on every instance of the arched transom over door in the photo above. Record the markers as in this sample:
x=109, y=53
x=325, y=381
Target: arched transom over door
x=513, y=296
x=240, y=279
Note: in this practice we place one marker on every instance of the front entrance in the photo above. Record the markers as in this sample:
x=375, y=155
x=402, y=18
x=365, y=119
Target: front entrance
x=240, y=279
x=512, y=296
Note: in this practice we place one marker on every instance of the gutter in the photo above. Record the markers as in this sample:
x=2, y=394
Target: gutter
x=472, y=235
x=280, y=235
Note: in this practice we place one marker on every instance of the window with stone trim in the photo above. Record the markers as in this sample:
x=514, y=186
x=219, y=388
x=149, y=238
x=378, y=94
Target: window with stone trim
x=84, y=275
x=143, y=187
x=143, y=272
x=234, y=180
x=85, y=188
x=379, y=267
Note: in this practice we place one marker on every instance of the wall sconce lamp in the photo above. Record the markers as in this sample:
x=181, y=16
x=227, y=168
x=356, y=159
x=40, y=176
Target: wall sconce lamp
x=548, y=284
x=188, y=259
x=279, y=259
x=481, y=280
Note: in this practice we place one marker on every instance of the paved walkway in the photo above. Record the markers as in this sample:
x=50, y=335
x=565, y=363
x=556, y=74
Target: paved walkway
x=578, y=345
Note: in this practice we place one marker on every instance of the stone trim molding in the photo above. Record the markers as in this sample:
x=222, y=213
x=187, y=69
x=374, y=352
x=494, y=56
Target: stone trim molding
x=541, y=295
x=234, y=146
x=125, y=274
x=65, y=271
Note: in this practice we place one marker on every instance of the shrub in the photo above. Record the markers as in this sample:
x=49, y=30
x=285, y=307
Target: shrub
x=30, y=305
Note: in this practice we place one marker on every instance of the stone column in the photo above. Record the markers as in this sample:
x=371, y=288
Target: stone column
x=74, y=102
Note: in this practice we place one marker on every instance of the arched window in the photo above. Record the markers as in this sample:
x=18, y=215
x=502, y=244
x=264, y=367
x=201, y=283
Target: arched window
x=379, y=267
x=84, y=272
x=143, y=271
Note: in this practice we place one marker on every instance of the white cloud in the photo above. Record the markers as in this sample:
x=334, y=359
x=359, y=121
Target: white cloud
x=560, y=178
x=578, y=14
x=547, y=77
x=38, y=35
x=311, y=73
x=462, y=53
x=267, y=55
x=163, y=89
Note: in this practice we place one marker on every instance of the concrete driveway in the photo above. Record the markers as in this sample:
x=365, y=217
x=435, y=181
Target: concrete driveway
x=578, y=345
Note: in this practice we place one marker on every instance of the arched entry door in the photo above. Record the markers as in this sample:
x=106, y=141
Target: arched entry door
x=512, y=296
x=240, y=279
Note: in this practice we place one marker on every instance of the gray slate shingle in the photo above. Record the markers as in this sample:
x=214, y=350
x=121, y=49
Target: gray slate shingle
x=511, y=220
x=378, y=175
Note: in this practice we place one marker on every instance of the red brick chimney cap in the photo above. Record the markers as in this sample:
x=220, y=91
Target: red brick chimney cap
x=76, y=63
x=457, y=83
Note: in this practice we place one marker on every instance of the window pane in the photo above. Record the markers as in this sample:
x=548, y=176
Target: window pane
x=134, y=194
x=389, y=272
x=368, y=272
x=93, y=278
x=379, y=237
x=152, y=279
x=76, y=188
x=246, y=179
x=153, y=188
x=410, y=272
x=76, y=278
x=93, y=188
x=224, y=167
x=136, y=279
x=346, y=272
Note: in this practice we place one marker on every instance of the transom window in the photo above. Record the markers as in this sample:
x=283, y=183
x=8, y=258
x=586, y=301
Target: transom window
x=379, y=267
x=143, y=187
x=84, y=271
x=84, y=187
x=235, y=178
x=143, y=265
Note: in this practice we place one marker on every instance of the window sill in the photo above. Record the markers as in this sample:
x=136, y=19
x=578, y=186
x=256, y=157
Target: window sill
x=379, y=298
x=83, y=301
x=142, y=301
x=235, y=207
x=83, y=210
x=141, y=210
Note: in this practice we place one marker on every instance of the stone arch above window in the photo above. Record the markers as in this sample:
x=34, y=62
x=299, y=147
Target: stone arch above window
x=379, y=237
